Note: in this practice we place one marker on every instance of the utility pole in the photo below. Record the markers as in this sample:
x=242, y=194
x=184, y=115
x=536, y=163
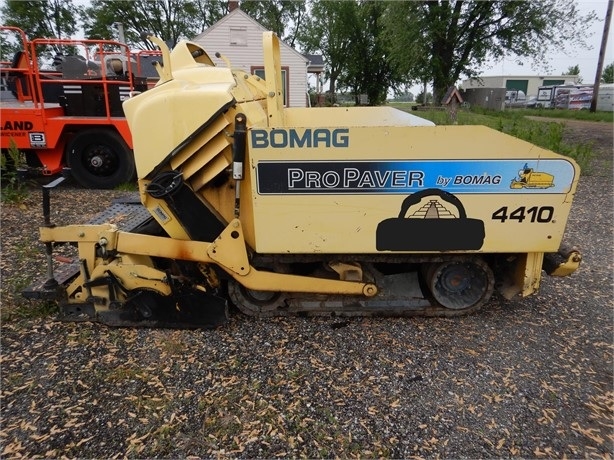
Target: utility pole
x=604, y=42
x=120, y=32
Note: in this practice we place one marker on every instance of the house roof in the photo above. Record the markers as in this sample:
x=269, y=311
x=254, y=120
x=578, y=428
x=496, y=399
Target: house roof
x=451, y=94
x=316, y=63
x=245, y=16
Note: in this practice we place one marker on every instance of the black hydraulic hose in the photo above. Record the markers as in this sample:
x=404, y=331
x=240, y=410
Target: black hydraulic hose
x=238, y=157
x=238, y=147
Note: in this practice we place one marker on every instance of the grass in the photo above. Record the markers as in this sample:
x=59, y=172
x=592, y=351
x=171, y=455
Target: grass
x=24, y=309
x=585, y=115
x=14, y=306
x=127, y=187
x=11, y=194
x=13, y=189
x=607, y=117
x=546, y=134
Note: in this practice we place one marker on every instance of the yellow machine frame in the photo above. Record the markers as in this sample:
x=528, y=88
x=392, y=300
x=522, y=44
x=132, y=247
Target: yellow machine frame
x=275, y=204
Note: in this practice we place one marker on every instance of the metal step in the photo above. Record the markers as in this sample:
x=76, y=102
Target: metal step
x=127, y=213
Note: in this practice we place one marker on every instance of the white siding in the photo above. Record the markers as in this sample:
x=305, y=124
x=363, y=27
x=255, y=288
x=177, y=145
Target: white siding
x=218, y=39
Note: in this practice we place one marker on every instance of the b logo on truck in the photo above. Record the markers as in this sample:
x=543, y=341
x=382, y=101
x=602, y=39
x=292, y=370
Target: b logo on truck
x=37, y=140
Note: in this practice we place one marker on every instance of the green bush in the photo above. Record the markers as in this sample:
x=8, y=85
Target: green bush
x=13, y=190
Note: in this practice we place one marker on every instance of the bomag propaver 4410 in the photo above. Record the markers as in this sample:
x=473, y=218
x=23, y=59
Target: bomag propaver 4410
x=338, y=211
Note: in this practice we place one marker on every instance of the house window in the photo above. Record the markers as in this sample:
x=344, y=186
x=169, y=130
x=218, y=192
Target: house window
x=238, y=36
x=259, y=71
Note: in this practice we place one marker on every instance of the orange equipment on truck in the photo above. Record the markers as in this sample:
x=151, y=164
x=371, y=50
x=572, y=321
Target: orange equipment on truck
x=63, y=106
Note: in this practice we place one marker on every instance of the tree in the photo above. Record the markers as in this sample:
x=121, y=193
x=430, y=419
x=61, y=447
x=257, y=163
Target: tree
x=574, y=70
x=420, y=97
x=403, y=95
x=284, y=17
x=369, y=70
x=607, y=76
x=38, y=19
x=171, y=20
x=442, y=40
x=48, y=19
x=328, y=30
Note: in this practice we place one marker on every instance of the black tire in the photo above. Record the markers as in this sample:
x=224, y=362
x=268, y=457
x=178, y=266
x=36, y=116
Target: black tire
x=99, y=158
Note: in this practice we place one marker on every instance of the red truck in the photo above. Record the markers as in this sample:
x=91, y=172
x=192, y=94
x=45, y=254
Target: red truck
x=62, y=106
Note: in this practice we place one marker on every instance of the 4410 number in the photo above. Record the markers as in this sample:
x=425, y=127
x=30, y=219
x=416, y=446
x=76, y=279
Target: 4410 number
x=540, y=214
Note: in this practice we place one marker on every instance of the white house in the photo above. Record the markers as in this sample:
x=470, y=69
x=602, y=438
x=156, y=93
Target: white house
x=238, y=37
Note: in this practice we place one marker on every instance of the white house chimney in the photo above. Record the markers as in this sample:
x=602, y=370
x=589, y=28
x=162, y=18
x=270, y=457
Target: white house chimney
x=232, y=5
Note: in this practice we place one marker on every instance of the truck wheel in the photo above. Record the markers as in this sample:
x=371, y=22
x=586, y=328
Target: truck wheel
x=100, y=158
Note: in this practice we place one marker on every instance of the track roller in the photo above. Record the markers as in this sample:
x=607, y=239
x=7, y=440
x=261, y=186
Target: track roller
x=460, y=284
x=256, y=303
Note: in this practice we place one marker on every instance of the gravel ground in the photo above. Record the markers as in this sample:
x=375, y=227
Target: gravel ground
x=530, y=378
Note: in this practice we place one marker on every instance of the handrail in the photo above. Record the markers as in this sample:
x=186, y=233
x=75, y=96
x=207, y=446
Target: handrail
x=272, y=75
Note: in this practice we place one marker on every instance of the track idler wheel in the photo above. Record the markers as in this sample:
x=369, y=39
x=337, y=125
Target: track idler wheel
x=256, y=303
x=460, y=284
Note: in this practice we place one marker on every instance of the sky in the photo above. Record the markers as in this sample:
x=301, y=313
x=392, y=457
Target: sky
x=560, y=62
